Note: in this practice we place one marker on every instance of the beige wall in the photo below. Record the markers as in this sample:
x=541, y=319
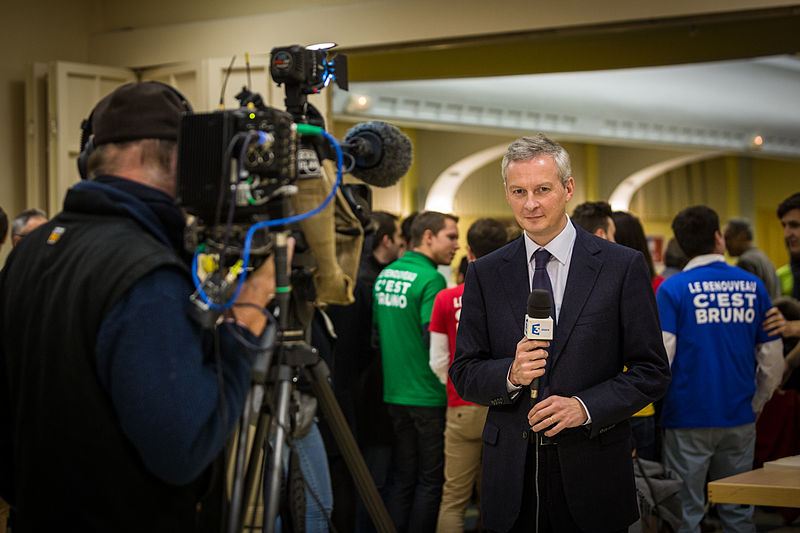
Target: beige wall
x=732, y=186
x=115, y=15
x=31, y=32
x=154, y=36
x=150, y=33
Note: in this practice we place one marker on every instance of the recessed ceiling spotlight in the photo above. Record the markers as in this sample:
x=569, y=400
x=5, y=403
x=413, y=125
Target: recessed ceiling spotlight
x=358, y=103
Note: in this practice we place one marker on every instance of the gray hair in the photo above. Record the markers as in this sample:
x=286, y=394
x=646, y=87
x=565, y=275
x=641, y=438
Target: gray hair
x=19, y=222
x=739, y=225
x=156, y=154
x=527, y=148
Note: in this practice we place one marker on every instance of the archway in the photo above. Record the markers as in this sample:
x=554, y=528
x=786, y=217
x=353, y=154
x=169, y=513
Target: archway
x=622, y=194
x=443, y=191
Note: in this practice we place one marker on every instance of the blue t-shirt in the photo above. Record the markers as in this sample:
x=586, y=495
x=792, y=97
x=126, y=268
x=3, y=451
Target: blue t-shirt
x=716, y=312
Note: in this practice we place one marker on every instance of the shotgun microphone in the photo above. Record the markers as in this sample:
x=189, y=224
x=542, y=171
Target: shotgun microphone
x=382, y=153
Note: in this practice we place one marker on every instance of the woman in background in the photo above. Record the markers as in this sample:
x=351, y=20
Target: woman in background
x=630, y=233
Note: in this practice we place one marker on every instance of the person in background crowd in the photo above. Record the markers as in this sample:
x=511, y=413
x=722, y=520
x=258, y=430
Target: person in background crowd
x=358, y=377
x=785, y=319
x=674, y=259
x=3, y=226
x=738, y=235
x=596, y=218
x=789, y=274
x=462, y=435
x=403, y=300
x=724, y=367
x=405, y=230
x=630, y=233
x=26, y=222
x=462, y=270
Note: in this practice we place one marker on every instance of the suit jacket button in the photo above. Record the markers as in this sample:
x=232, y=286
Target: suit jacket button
x=525, y=435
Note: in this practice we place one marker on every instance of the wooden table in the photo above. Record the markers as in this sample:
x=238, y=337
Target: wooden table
x=776, y=487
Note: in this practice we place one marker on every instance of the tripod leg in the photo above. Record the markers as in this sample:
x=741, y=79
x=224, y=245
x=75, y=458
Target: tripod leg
x=238, y=507
x=275, y=464
x=244, y=480
x=254, y=465
x=318, y=376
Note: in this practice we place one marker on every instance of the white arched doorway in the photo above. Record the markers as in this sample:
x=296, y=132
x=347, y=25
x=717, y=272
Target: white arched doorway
x=622, y=194
x=445, y=186
x=442, y=192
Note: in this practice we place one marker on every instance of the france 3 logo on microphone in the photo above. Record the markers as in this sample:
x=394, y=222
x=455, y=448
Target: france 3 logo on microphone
x=540, y=329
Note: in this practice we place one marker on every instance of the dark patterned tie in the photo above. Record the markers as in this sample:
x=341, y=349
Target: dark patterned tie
x=541, y=280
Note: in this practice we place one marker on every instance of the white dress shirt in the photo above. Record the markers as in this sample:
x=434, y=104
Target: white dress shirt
x=558, y=269
x=560, y=249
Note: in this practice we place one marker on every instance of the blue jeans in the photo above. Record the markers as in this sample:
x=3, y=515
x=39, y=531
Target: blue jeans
x=314, y=464
x=417, y=474
x=717, y=453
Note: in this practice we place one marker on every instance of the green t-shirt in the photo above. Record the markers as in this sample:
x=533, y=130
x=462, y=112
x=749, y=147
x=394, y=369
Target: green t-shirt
x=403, y=298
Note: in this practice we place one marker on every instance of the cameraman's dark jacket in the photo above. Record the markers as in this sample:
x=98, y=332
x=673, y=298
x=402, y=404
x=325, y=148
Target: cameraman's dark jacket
x=109, y=407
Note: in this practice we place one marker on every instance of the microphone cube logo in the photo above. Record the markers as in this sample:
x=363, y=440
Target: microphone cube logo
x=538, y=328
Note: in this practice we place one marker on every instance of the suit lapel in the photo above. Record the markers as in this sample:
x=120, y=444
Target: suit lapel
x=514, y=278
x=583, y=271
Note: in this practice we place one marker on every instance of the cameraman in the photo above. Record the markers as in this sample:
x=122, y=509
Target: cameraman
x=114, y=404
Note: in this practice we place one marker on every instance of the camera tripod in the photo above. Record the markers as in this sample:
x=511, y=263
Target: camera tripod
x=283, y=351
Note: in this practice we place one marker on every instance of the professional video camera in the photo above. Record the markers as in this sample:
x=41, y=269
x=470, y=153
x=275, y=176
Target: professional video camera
x=256, y=167
x=262, y=141
x=306, y=71
x=248, y=177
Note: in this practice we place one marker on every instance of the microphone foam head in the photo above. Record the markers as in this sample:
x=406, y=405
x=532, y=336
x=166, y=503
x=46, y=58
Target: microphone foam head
x=540, y=304
x=388, y=157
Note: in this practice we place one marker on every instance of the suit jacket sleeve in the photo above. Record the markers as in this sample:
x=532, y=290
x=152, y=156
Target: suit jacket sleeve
x=642, y=351
x=479, y=375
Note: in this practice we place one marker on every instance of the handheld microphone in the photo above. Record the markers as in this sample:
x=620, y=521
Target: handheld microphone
x=539, y=324
x=382, y=153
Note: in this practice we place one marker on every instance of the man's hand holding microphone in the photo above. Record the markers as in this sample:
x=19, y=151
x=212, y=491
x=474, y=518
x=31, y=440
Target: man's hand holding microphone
x=554, y=413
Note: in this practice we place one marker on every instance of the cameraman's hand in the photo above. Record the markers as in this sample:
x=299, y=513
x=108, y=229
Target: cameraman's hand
x=257, y=291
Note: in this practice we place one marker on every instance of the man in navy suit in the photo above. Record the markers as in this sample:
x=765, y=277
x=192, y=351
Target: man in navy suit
x=561, y=463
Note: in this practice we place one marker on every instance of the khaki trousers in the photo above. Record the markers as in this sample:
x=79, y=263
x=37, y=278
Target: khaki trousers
x=4, y=510
x=462, y=464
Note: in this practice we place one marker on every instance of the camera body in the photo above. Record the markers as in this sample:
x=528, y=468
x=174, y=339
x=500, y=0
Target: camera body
x=307, y=69
x=249, y=175
x=263, y=141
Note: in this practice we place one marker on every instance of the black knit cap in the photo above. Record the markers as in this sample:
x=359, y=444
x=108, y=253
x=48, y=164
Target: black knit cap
x=140, y=110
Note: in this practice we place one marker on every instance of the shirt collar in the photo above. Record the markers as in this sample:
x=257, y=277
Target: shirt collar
x=703, y=260
x=419, y=256
x=560, y=247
